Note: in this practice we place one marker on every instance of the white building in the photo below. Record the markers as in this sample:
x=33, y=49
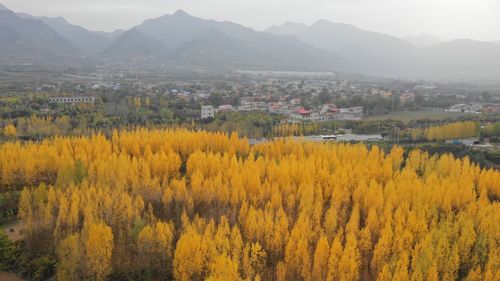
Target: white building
x=225, y=107
x=351, y=113
x=466, y=108
x=207, y=111
x=72, y=100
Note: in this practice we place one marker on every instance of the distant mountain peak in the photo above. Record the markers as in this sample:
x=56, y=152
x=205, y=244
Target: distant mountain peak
x=325, y=22
x=287, y=28
x=2, y=7
x=294, y=24
x=181, y=13
x=322, y=21
x=32, y=39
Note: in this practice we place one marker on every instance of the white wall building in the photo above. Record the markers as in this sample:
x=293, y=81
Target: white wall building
x=72, y=100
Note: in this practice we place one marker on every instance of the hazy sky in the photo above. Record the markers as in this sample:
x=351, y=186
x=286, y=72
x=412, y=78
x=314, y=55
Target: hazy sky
x=447, y=19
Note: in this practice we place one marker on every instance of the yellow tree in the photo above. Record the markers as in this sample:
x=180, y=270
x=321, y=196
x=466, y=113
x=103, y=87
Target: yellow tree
x=321, y=255
x=69, y=259
x=385, y=274
x=334, y=260
x=254, y=260
x=10, y=131
x=350, y=260
x=223, y=269
x=382, y=250
x=155, y=246
x=26, y=210
x=98, y=249
x=401, y=271
x=189, y=262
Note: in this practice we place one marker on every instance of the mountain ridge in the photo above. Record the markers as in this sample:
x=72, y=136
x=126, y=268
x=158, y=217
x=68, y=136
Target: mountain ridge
x=385, y=55
x=133, y=44
x=27, y=38
x=90, y=43
x=181, y=38
x=180, y=30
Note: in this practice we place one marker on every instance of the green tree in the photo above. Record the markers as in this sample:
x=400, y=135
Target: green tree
x=8, y=254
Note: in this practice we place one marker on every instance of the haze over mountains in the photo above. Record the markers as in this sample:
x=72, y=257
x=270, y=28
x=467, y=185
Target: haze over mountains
x=422, y=40
x=380, y=54
x=26, y=38
x=184, y=40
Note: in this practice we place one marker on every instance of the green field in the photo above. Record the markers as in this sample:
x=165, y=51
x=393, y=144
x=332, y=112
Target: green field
x=407, y=116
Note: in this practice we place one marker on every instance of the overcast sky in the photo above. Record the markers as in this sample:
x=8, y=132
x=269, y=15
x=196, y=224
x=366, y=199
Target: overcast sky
x=446, y=19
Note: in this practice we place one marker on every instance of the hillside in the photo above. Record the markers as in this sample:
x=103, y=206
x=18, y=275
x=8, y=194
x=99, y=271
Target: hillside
x=384, y=55
x=90, y=43
x=369, y=52
x=184, y=40
x=23, y=38
x=135, y=44
x=182, y=33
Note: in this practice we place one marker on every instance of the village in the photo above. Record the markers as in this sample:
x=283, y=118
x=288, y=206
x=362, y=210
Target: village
x=293, y=111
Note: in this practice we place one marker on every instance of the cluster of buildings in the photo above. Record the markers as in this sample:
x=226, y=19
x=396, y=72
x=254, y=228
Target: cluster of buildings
x=327, y=112
x=291, y=109
x=465, y=108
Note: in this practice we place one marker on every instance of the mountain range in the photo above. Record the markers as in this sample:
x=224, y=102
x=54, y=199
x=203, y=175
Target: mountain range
x=27, y=38
x=184, y=40
x=384, y=55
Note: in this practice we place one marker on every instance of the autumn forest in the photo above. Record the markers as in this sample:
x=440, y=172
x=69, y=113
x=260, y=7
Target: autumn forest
x=183, y=205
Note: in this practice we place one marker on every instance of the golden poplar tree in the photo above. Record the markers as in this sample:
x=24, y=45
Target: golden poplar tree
x=69, y=254
x=98, y=250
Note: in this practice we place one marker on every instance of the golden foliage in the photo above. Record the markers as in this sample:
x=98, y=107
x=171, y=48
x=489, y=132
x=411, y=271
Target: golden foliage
x=10, y=131
x=456, y=130
x=198, y=205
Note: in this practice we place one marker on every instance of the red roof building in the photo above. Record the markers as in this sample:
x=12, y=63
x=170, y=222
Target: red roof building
x=304, y=111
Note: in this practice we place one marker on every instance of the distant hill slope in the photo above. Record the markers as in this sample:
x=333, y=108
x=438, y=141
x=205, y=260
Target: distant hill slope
x=23, y=38
x=135, y=44
x=185, y=35
x=369, y=52
x=182, y=39
x=90, y=43
x=383, y=55
x=213, y=48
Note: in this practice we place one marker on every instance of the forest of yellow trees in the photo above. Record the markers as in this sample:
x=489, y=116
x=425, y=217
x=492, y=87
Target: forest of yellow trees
x=183, y=205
